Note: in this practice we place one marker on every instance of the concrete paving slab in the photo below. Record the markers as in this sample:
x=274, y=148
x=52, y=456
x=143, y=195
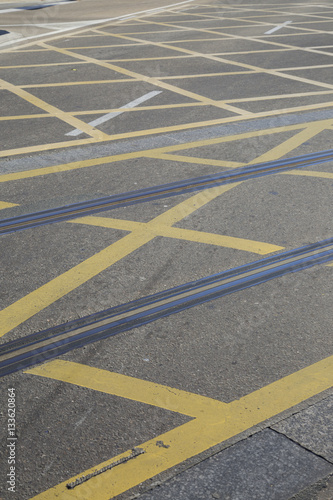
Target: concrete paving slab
x=311, y=428
x=264, y=466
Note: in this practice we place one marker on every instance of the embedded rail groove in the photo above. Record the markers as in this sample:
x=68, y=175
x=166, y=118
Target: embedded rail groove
x=90, y=207
x=38, y=347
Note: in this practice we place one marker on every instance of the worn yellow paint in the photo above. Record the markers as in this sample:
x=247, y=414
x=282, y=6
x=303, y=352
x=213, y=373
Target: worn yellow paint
x=47, y=294
x=236, y=63
x=182, y=234
x=69, y=84
x=310, y=173
x=53, y=111
x=24, y=117
x=133, y=388
x=193, y=159
x=282, y=96
x=292, y=143
x=214, y=421
x=5, y=204
x=163, y=153
x=148, y=79
x=208, y=75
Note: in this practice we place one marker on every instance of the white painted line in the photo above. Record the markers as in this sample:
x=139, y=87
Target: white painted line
x=23, y=9
x=109, y=116
x=97, y=21
x=4, y=11
x=277, y=28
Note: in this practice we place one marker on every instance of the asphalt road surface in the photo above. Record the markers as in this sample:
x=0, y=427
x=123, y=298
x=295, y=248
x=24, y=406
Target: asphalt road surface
x=166, y=250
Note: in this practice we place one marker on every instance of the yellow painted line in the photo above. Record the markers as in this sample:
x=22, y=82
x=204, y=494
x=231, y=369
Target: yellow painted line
x=46, y=147
x=297, y=68
x=310, y=173
x=193, y=159
x=5, y=204
x=154, y=152
x=53, y=111
x=111, y=46
x=182, y=234
x=47, y=294
x=142, y=59
x=24, y=117
x=215, y=422
x=208, y=75
x=66, y=167
x=284, y=96
x=229, y=61
x=22, y=66
x=132, y=388
x=292, y=143
x=144, y=78
x=142, y=108
x=70, y=84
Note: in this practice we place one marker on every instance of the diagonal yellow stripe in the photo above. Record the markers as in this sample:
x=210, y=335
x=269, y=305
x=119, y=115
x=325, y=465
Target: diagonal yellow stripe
x=216, y=423
x=53, y=111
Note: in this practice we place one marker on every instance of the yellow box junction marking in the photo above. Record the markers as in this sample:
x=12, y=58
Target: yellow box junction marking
x=47, y=294
x=178, y=233
x=214, y=422
x=54, y=111
x=165, y=153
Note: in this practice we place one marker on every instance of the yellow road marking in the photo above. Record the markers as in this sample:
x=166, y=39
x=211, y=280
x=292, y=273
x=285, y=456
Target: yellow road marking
x=215, y=422
x=20, y=66
x=305, y=107
x=181, y=234
x=157, y=152
x=69, y=84
x=193, y=159
x=209, y=75
x=310, y=173
x=24, y=117
x=230, y=61
x=148, y=79
x=292, y=143
x=47, y=294
x=53, y=111
x=143, y=391
x=279, y=96
x=5, y=204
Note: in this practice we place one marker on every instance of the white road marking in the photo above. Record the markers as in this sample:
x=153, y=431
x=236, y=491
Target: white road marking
x=109, y=116
x=277, y=27
x=97, y=21
x=20, y=9
x=4, y=11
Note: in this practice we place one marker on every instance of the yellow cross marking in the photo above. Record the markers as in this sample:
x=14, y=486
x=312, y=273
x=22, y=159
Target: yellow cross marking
x=50, y=292
x=154, y=228
x=213, y=421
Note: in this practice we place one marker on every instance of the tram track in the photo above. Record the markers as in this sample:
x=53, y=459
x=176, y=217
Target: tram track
x=75, y=210
x=48, y=344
